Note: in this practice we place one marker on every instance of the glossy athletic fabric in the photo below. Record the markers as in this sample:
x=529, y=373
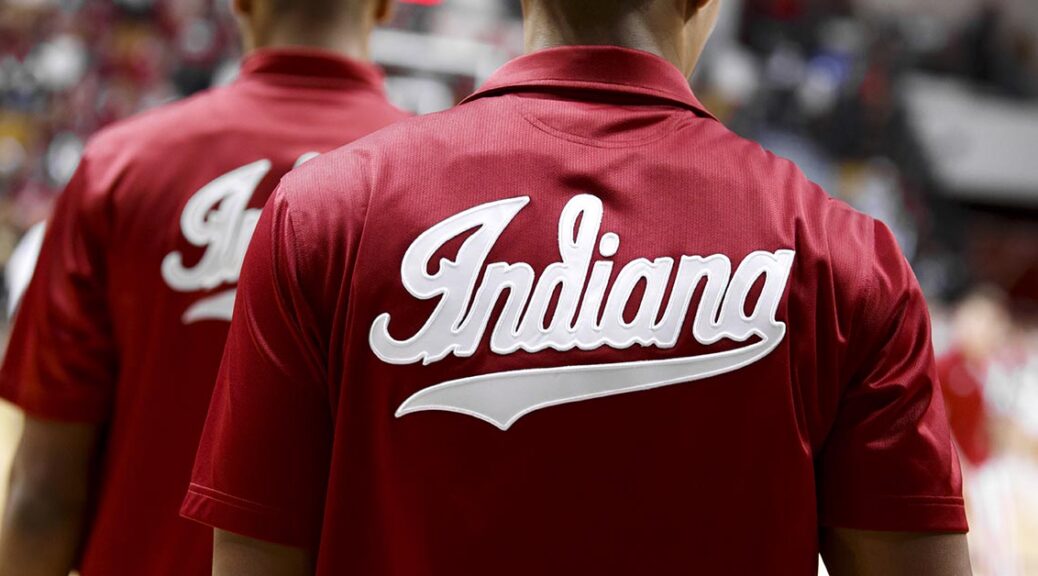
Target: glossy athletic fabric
x=126, y=317
x=573, y=326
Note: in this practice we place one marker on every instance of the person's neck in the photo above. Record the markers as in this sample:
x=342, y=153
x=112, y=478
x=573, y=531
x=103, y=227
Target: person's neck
x=344, y=43
x=544, y=30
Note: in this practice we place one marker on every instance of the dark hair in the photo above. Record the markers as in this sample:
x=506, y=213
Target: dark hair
x=319, y=11
x=597, y=6
x=592, y=12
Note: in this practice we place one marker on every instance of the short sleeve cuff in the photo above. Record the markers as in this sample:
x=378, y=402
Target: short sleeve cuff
x=253, y=520
x=899, y=514
x=56, y=407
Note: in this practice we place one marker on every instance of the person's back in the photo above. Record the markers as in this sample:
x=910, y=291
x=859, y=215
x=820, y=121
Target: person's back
x=126, y=319
x=575, y=326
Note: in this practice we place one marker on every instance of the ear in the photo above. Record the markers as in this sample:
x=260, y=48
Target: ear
x=692, y=7
x=383, y=11
x=242, y=7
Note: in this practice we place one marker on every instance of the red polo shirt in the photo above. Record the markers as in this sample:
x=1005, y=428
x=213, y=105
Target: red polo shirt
x=573, y=326
x=127, y=314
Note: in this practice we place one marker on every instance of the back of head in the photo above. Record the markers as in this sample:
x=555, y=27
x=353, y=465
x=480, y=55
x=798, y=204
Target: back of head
x=674, y=29
x=594, y=9
x=319, y=12
x=340, y=25
x=589, y=14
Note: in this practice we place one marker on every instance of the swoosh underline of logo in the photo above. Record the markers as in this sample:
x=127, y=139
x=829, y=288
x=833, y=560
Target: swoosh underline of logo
x=219, y=306
x=502, y=398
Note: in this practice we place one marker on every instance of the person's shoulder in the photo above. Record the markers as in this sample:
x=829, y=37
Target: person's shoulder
x=382, y=110
x=329, y=193
x=349, y=169
x=138, y=145
x=161, y=128
x=863, y=259
x=831, y=235
x=393, y=140
x=817, y=213
x=754, y=166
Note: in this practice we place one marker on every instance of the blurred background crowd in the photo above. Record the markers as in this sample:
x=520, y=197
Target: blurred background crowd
x=923, y=113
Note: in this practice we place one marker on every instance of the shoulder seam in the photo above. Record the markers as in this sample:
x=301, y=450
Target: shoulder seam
x=861, y=278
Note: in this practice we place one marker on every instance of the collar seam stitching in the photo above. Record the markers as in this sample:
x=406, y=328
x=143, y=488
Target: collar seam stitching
x=318, y=82
x=686, y=100
x=588, y=83
x=670, y=128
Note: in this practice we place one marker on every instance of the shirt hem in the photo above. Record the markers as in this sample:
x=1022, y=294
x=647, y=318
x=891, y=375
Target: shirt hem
x=232, y=514
x=74, y=410
x=900, y=514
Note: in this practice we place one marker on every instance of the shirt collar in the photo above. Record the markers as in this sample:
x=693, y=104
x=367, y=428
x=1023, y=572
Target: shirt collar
x=310, y=67
x=601, y=68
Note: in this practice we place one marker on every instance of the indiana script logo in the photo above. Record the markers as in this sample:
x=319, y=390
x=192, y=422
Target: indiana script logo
x=217, y=218
x=462, y=317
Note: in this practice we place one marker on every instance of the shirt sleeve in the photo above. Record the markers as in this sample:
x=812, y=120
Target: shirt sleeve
x=61, y=358
x=262, y=463
x=889, y=463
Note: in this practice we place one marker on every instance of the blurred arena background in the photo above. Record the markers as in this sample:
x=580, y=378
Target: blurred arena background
x=923, y=113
